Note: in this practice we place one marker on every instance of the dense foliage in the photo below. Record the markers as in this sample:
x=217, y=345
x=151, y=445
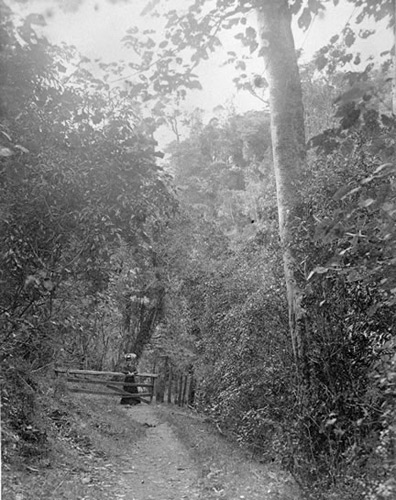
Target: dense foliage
x=331, y=423
x=82, y=201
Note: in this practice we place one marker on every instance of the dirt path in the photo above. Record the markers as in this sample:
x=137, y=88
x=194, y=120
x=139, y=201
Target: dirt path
x=104, y=451
x=158, y=467
x=189, y=462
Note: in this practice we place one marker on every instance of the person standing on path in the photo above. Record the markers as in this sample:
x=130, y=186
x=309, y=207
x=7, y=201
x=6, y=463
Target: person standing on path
x=130, y=371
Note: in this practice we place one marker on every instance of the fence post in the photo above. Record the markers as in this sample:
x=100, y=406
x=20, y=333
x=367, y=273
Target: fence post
x=169, y=398
x=176, y=383
x=176, y=386
x=161, y=380
x=179, y=398
x=184, y=390
x=191, y=392
x=152, y=389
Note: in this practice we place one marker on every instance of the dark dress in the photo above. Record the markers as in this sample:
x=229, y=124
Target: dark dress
x=130, y=379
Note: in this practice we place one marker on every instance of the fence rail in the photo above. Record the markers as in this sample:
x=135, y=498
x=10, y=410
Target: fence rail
x=101, y=382
x=73, y=371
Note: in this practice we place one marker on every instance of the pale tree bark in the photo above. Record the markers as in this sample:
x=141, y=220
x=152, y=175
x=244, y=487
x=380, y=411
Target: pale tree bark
x=288, y=141
x=394, y=60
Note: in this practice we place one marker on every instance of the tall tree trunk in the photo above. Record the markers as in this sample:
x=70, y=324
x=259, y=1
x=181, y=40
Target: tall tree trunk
x=288, y=141
x=394, y=60
x=148, y=316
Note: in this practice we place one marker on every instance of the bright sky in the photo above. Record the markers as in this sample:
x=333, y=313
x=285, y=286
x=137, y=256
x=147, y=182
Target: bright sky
x=96, y=28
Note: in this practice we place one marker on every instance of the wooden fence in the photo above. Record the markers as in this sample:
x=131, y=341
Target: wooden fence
x=173, y=386
x=184, y=389
x=108, y=383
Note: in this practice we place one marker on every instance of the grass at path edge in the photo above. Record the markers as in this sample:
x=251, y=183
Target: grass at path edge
x=86, y=438
x=226, y=470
